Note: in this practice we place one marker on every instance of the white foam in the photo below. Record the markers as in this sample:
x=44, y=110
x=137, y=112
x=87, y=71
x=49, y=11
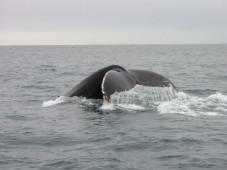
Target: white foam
x=61, y=99
x=111, y=106
x=164, y=100
x=218, y=97
x=185, y=104
x=167, y=101
x=131, y=107
x=210, y=114
x=108, y=106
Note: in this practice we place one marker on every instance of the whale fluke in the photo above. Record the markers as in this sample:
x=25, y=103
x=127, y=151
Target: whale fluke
x=108, y=80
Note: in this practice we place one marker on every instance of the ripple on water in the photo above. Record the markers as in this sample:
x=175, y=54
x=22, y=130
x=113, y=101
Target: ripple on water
x=139, y=131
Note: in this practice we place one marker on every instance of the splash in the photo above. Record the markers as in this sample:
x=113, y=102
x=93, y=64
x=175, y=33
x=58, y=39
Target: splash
x=139, y=98
x=65, y=99
x=213, y=105
x=59, y=100
x=165, y=100
x=108, y=106
x=111, y=107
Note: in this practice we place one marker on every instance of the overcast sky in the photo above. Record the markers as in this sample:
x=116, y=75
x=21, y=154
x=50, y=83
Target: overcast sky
x=112, y=22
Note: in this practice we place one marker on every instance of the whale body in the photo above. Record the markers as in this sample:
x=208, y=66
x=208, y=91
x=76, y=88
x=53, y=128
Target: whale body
x=103, y=83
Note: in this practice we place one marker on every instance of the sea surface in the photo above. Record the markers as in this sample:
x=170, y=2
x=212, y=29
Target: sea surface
x=40, y=130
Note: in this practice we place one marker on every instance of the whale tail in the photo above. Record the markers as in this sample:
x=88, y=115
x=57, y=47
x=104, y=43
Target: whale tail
x=106, y=81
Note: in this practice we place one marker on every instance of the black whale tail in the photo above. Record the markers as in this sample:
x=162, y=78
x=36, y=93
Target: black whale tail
x=106, y=81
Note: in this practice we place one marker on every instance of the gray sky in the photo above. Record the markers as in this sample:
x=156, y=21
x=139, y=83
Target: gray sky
x=112, y=22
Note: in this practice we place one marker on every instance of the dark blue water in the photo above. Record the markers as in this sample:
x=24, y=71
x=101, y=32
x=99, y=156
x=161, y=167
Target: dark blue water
x=187, y=132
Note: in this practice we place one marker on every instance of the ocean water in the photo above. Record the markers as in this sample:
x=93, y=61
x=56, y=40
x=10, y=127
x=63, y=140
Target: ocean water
x=140, y=129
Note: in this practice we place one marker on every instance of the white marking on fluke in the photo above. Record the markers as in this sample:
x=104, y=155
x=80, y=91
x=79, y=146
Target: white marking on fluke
x=103, y=81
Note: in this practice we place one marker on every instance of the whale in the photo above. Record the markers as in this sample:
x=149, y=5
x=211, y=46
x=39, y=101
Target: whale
x=106, y=81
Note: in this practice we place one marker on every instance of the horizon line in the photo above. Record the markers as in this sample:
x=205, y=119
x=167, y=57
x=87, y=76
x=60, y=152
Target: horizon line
x=110, y=44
